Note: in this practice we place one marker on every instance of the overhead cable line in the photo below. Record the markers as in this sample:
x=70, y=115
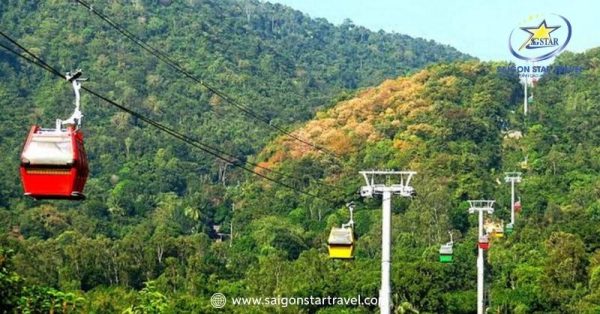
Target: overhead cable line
x=233, y=158
x=245, y=109
x=165, y=58
x=32, y=58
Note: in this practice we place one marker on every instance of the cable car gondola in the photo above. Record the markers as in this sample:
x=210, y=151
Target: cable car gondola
x=509, y=229
x=341, y=240
x=341, y=243
x=499, y=231
x=518, y=206
x=446, y=251
x=53, y=162
x=484, y=242
x=494, y=228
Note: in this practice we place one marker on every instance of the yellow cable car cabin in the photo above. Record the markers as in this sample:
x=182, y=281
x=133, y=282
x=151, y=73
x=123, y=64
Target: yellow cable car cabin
x=498, y=233
x=341, y=243
x=494, y=228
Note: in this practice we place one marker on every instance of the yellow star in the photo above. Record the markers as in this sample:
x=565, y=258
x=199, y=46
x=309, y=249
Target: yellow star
x=542, y=31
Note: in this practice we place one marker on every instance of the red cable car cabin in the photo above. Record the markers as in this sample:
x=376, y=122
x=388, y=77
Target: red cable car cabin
x=484, y=242
x=518, y=206
x=54, y=164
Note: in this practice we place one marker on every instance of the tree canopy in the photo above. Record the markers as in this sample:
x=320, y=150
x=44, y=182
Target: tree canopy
x=154, y=235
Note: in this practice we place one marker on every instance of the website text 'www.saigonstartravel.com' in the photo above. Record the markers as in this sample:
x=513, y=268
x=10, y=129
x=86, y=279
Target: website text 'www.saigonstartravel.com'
x=219, y=300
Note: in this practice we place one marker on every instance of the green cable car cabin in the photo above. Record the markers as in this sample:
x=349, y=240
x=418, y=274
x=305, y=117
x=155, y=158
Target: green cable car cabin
x=509, y=229
x=446, y=253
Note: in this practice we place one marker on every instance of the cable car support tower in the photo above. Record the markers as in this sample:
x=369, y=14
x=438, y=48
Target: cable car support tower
x=480, y=206
x=403, y=188
x=512, y=178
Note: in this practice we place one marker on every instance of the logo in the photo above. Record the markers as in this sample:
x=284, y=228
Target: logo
x=540, y=37
x=218, y=300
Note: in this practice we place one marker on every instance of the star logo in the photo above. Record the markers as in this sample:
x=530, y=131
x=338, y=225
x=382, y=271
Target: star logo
x=539, y=36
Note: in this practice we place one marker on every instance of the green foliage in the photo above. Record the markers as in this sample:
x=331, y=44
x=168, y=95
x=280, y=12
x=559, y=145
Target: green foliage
x=41, y=299
x=149, y=301
x=153, y=235
x=10, y=282
x=16, y=297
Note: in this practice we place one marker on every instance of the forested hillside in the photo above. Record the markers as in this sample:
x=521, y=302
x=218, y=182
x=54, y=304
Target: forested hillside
x=276, y=61
x=146, y=238
x=149, y=194
x=456, y=125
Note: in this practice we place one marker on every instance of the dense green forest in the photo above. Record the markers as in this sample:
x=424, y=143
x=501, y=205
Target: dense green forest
x=277, y=61
x=145, y=241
